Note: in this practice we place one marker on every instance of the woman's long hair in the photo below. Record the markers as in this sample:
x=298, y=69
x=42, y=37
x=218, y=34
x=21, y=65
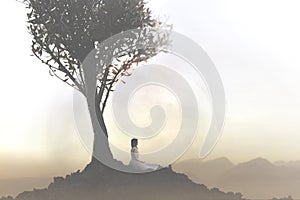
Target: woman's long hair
x=134, y=142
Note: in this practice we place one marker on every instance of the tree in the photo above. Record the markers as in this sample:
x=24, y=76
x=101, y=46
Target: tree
x=66, y=31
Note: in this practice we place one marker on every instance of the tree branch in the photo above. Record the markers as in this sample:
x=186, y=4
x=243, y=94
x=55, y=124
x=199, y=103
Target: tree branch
x=65, y=70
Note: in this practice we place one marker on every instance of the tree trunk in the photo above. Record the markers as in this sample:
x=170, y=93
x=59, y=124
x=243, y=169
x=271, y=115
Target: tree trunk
x=101, y=150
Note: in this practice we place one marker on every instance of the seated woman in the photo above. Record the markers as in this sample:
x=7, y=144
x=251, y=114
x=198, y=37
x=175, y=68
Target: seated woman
x=136, y=163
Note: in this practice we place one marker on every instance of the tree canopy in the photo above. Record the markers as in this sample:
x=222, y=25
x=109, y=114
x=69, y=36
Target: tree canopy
x=66, y=31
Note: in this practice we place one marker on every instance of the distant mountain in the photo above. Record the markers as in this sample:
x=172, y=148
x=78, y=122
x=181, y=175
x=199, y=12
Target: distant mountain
x=97, y=181
x=280, y=163
x=257, y=179
x=204, y=172
x=13, y=186
x=295, y=164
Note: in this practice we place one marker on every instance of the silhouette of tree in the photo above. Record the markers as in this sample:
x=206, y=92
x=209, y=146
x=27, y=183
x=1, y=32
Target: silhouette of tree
x=66, y=31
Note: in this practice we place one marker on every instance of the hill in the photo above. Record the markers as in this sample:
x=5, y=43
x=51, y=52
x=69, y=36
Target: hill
x=14, y=186
x=97, y=181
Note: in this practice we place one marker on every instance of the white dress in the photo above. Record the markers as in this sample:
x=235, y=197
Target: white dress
x=140, y=165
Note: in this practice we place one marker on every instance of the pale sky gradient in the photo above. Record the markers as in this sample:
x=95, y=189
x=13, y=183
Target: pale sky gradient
x=255, y=45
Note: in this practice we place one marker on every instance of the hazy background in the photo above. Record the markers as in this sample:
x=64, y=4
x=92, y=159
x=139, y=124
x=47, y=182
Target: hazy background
x=255, y=45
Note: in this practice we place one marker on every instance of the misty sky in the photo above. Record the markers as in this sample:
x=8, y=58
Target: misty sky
x=253, y=43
